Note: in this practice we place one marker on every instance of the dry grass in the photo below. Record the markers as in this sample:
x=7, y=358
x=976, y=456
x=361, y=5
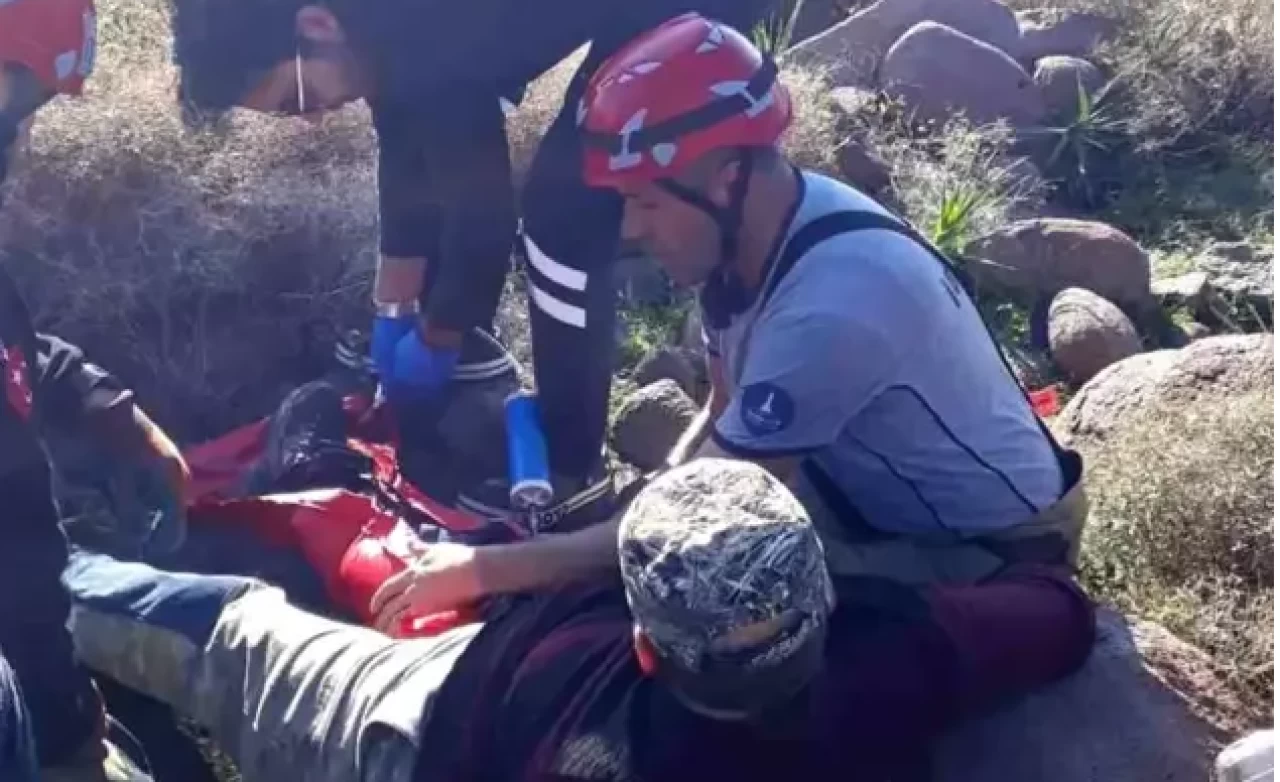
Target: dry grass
x=209, y=269
x=1189, y=66
x=1182, y=532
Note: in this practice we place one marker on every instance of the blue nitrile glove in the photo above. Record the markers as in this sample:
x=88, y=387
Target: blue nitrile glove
x=387, y=333
x=420, y=371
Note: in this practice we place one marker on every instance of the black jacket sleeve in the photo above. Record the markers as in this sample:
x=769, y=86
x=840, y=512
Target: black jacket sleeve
x=71, y=390
x=445, y=192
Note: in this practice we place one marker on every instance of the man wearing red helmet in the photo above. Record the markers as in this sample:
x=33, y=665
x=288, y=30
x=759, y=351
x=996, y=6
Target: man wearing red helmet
x=845, y=357
x=52, y=720
x=435, y=76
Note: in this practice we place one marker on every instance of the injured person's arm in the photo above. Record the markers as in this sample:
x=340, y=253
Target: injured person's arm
x=80, y=398
x=451, y=575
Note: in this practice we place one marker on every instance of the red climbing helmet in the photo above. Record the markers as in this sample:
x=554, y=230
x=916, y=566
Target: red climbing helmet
x=675, y=93
x=55, y=39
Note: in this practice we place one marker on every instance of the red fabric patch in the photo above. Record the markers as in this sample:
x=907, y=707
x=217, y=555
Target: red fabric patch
x=1046, y=401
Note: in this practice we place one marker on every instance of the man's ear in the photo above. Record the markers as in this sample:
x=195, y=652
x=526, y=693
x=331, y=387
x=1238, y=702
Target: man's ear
x=318, y=24
x=720, y=189
x=646, y=655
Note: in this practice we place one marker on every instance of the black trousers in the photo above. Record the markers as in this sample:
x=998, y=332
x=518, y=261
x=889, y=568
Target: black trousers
x=568, y=244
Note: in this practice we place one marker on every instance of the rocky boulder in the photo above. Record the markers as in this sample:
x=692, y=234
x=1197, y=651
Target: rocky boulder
x=1061, y=78
x=1043, y=256
x=1145, y=706
x=862, y=168
x=1209, y=369
x=851, y=51
x=816, y=16
x=937, y=70
x=667, y=364
x=1045, y=32
x=1190, y=291
x=1241, y=270
x=1087, y=334
x=649, y=423
x=858, y=164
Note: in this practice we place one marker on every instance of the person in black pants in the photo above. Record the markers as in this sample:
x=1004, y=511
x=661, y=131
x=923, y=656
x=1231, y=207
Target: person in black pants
x=434, y=74
x=53, y=723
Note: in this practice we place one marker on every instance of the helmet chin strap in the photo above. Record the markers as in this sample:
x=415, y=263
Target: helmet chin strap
x=724, y=293
x=728, y=219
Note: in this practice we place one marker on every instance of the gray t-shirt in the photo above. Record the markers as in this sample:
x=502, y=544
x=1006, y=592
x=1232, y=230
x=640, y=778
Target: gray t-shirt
x=869, y=359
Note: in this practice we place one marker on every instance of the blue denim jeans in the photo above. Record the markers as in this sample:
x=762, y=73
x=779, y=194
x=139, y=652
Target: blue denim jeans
x=17, y=746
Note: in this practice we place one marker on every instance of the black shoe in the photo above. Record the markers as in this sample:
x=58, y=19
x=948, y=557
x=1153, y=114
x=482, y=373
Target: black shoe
x=306, y=446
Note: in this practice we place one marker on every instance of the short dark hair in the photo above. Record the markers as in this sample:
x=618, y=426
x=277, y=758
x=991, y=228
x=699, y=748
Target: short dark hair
x=222, y=47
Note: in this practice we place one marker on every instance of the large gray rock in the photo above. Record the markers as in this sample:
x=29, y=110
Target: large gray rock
x=937, y=71
x=816, y=16
x=649, y=423
x=851, y=52
x=862, y=168
x=859, y=165
x=1207, y=370
x=667, y=364
x=1061, y=78
x=1041, y=257
x=1146, y=706
x=1044, y=32
x=1189, y=290
x=1087, y=334
x=1241, y=270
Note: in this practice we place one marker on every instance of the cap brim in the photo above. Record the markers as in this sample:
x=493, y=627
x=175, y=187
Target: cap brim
x=749, y=692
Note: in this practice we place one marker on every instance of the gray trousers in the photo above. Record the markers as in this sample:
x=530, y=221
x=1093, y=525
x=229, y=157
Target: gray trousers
x=287, y=694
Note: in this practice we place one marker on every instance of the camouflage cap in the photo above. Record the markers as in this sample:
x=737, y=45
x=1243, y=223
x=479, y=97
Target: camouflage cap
x=714, y=546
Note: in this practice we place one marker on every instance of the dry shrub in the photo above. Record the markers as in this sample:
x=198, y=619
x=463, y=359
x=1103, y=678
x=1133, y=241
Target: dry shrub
x=541, y=104
x=1189, y=65
x=814, y=139
x=209, y=269
x=1182, y=531
x=962, y=160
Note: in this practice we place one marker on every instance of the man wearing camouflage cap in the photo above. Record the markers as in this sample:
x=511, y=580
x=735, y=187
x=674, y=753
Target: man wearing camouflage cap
x=720, y=626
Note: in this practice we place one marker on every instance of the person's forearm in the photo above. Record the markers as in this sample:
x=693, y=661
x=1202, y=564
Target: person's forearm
x=697, y=431
x=130, y=431
x=398, y=279
x=550, y=561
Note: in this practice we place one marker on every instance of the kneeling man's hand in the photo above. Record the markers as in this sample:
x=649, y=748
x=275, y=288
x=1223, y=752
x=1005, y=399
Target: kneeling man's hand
x=444, y=576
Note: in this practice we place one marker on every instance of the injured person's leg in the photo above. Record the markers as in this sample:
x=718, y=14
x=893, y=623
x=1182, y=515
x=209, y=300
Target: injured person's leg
x=288, y=695
x=906, y=664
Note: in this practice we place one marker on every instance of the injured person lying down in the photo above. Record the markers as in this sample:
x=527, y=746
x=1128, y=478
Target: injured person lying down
x=716, y=637
x=729, y=651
